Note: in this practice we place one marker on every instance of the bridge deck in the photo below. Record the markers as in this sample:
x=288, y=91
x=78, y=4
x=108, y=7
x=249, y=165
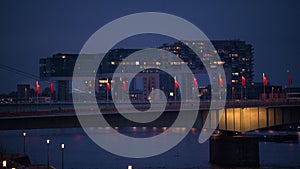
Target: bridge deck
x=237, y=115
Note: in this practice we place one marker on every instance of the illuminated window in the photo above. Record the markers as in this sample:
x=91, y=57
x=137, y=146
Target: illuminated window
x=219, y=62
x=178, y=63
x=233, y=55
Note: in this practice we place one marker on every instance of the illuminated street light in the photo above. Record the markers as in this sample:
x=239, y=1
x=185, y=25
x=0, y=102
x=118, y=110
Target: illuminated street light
x=48, y=154
x=129, y=167
x=62, y=155
x=24, y=142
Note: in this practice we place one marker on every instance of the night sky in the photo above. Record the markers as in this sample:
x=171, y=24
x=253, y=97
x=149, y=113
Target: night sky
x=37, y=29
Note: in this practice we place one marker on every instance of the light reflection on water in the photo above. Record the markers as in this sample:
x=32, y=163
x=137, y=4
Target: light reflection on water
x=81, y=152
x=280, y=154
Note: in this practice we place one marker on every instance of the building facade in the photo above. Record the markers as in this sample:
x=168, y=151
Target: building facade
x=236, y=58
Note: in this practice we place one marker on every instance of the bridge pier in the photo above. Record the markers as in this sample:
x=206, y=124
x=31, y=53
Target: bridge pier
x=234, y=150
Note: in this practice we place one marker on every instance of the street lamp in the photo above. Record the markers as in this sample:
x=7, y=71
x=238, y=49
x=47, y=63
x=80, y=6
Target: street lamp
x=24, y=142
x=48, y=143
x=62, y=155
x=4, y=164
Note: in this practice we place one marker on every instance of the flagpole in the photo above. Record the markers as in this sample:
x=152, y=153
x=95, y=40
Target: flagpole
x=220, y=86
x=37, y=101
x=175, y=91
x=50, y=97
x=288, y=72
x=264, y=86
x=245, y=92
x=107, y=91
x=289, y=79
x=241, y=92
x=37, y=95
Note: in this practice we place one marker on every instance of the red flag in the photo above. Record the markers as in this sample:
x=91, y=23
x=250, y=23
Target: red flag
x=51, y=88
x=195, y=82
x=265, y=80
x=176, y=85
x=107, y=86
x=124, y=85
x=243, y=81
x=290, y=79
x=37, y=87
x=221, y=83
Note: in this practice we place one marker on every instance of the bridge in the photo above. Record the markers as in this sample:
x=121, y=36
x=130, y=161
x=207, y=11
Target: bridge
x=238, y=115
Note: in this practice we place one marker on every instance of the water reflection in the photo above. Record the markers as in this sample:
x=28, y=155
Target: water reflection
x=80, y=152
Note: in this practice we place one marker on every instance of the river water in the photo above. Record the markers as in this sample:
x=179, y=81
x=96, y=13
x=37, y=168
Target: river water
x=82, y=153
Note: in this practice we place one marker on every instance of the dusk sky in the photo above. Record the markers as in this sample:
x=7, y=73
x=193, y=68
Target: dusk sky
x=37, y=29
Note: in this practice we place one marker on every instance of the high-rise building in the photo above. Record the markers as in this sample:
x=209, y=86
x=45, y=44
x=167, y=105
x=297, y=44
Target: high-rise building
x=236, y=57
x=58, y=69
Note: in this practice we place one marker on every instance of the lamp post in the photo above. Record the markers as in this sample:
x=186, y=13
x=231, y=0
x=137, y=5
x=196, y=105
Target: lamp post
x=24, y=142
x=62, y=155
x=48, y=154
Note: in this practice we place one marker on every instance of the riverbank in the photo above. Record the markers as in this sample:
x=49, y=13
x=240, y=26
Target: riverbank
x=17, y=160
